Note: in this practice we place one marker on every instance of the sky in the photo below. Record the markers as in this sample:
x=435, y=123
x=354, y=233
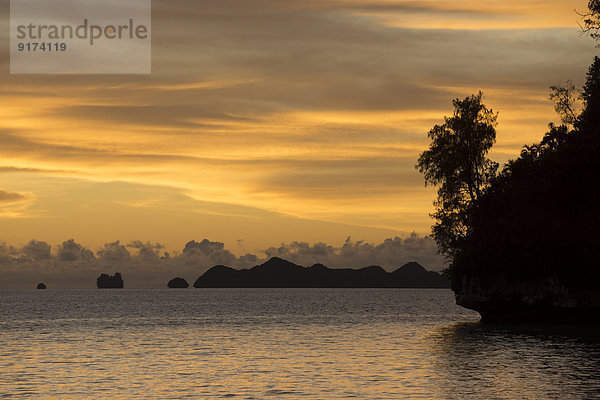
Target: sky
x=268, y=123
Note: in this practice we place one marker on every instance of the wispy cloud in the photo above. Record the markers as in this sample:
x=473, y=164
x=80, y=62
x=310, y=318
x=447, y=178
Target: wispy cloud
x=9, y=197
x=13, y=204
x=306, y=109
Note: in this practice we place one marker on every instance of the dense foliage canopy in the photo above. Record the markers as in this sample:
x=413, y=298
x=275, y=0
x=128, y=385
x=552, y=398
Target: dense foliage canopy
x=456, y=161
x=540, y=216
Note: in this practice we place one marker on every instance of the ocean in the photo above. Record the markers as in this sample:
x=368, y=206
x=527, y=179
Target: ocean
x=281, y=344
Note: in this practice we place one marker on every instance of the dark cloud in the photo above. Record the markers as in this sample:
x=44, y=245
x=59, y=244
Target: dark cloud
x=11, y=197
x=36, y=250
x=174, y=116
x=146, y=251
x=114, y=252
x=205, y=252
x=29, y=170
x=14, y=143
x=73, y=251
x=417, y=7
x=389, y=254
x=8, y=253
x=353, y=178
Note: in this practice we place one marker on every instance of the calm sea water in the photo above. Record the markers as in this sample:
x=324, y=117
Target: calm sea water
x=281, y=344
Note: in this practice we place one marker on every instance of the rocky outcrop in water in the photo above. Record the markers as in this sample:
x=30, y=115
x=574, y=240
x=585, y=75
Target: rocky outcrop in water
x=178, y=283
x=106, y=281
x=41, y=286
x=281, y=273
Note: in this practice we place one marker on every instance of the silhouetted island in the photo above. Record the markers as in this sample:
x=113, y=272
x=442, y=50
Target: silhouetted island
x=280, y=273
x=41, y=286
x=106, y=281
x=178, y=283
x=523, y=243
x=533, y=252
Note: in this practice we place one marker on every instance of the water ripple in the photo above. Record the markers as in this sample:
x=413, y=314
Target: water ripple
x=284, y=344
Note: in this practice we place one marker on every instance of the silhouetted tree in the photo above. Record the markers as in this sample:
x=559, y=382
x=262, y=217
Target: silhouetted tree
x=565, y=100
x=540, y=217
x=591, y=19
x=529, y=237
x=589, y=120
x=457, y=162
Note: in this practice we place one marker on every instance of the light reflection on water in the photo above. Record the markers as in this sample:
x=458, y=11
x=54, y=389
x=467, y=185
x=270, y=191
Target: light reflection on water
x=281, y=343
x=519, y=362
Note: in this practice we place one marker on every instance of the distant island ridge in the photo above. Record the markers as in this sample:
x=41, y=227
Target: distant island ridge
x=280, y=273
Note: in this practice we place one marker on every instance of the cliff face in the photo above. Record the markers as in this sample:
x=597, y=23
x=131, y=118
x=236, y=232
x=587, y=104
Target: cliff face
x=544, y=299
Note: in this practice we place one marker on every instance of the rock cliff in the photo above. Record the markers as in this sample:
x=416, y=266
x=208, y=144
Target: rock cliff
x=543, y=299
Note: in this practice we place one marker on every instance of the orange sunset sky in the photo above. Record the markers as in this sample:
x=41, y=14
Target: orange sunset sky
x=271, y=121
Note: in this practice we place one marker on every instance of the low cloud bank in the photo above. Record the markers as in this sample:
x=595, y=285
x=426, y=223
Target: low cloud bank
x=390, y=254
x=148, y=265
